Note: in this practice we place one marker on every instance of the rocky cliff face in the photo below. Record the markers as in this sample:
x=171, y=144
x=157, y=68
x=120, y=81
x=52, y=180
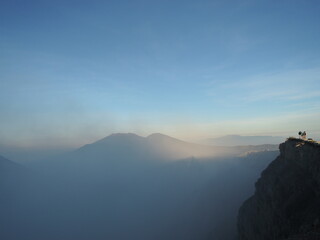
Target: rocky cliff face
x=286, y=202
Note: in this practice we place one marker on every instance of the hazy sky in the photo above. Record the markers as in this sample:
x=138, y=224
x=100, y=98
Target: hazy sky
x=74, y=71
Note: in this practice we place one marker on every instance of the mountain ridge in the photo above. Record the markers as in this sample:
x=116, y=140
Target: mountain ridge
x=158, y=145
x=163, y=146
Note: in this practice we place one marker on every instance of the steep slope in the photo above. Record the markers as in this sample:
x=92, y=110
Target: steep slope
x=286, y=201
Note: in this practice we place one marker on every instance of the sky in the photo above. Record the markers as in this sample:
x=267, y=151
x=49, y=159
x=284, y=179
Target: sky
x=72, y=72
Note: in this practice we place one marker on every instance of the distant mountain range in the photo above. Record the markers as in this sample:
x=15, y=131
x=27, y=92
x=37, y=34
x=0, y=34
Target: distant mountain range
x=156, y=144
x=125, y=186
x=238, y=140
x=122, y=146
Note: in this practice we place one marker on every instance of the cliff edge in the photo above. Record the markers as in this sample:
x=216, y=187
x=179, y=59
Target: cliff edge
x=286, y=202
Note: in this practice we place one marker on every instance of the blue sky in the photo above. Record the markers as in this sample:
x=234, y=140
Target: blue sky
x=72, y=72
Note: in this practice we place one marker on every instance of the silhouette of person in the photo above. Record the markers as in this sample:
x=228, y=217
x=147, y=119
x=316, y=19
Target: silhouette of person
x=304, y=135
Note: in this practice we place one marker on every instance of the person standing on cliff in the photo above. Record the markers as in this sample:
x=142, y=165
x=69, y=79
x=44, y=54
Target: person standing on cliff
x=304, y=135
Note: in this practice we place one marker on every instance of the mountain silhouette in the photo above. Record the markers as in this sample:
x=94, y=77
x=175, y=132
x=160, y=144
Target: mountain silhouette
x=129, y=147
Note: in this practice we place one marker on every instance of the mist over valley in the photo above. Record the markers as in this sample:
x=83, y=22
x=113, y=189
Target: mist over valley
x=130, y=187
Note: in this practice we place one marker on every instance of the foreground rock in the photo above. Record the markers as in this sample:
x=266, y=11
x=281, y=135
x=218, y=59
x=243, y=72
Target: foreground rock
x=286, y=202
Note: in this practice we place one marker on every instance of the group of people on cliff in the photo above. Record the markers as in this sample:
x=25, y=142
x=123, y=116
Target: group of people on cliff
x=303, y=135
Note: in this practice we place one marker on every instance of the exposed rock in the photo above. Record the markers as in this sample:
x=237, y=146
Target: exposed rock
x=286, y=202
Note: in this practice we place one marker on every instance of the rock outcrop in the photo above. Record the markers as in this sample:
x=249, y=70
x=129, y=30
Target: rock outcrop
x=286, y=202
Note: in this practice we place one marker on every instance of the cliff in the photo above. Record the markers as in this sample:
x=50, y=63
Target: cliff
x=286, y=202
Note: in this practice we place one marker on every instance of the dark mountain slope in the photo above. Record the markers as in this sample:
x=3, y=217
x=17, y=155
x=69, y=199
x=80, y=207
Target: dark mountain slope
x=287, y=196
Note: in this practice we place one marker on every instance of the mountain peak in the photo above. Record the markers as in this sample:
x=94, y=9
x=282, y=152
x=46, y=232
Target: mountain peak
x=119, y=136
x=163, y=138
x=158, y=135
x=122, y=135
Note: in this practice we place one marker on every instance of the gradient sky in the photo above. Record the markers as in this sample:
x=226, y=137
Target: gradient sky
x=72, y=72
